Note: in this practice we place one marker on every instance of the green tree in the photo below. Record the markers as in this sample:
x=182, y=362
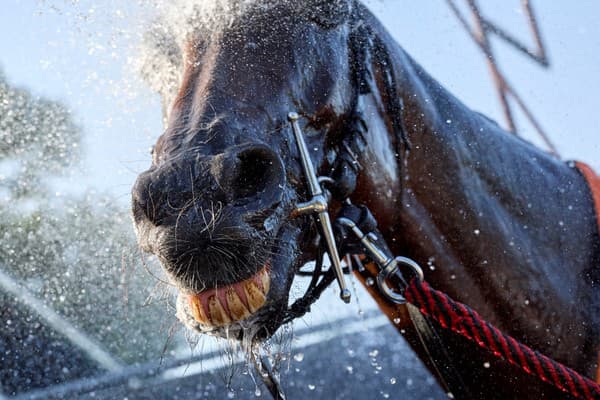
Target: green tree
x=76, y=254
x=38, y=138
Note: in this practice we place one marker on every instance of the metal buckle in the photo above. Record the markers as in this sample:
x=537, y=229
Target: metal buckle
x=318, y=204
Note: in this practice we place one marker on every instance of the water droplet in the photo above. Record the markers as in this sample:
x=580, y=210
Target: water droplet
x=134, y=383
x=374, y=353
x=311, y=386
x=477, y=232
x=257, y=392
x=397, y=321
x=231, y=394
x=430, y=262
x=486, y=364
x=448, y=121
x=299, y=357
x=350, y=369
x=393, y=381
x=369, y=281
x=526, y=302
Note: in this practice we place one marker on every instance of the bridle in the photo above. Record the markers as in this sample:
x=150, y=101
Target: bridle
x=347, y=234
x=350, y=227
x=353, y=233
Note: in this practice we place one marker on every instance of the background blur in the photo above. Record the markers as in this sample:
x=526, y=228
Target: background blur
x=76, y=125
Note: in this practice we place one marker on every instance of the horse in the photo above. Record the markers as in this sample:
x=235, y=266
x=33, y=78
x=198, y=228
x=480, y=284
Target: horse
x=510, y=229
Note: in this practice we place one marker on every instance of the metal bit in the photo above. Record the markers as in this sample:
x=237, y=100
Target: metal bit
x=318, y=205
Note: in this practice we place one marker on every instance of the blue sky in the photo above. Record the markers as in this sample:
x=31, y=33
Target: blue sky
x=81, y=52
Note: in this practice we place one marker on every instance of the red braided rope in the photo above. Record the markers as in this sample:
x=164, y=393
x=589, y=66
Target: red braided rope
x=463, y=320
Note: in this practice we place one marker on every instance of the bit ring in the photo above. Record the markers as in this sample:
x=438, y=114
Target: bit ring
x=393, y=268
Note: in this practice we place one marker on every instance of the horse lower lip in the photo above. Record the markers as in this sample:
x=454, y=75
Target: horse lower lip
x=231, y=303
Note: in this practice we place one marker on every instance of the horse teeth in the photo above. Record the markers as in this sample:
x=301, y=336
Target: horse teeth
x=198, y=311
x=266, y=281
x=218, y=315
x=223, y=311
x=255, y=296
x=237, y=309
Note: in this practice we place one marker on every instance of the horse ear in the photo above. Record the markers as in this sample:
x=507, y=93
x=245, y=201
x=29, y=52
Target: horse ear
x=328, y=13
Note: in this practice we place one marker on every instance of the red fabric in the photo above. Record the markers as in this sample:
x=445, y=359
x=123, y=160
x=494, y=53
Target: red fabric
x=463, y=320
x=593, y=181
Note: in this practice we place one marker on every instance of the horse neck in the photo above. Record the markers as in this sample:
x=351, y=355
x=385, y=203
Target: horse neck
x=502, y=225
x=497, y=197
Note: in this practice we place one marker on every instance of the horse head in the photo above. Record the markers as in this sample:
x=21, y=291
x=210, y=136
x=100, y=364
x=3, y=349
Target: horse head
x=217, y=204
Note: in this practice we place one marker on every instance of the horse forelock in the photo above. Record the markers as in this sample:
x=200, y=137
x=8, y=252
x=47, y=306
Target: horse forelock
x=180, y=31
x=183, y=24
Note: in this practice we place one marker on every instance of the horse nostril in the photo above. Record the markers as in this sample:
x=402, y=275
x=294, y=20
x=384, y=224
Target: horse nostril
x=139, y=197
x=257, y=171
x=146, y=199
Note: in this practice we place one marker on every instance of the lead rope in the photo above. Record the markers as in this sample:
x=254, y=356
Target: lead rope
x=452, y=315
x=462, y=319
x=352, y=221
